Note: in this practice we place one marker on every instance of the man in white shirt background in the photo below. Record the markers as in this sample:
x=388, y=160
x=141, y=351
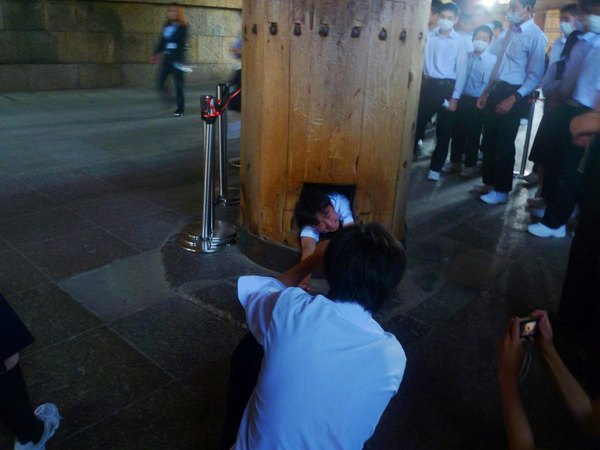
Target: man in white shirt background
x=329, y=370
x=518, y=72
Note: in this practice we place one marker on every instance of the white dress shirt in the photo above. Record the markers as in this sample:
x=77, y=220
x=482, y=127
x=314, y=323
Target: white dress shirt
x=575, y=63
x=556, y=50
x=479, y=70
x=523, y=62
x=445, y=56
x=341, y=205
x=328, y=372
x=587, y=87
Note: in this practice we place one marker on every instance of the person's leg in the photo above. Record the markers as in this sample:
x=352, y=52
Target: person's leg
x=473, y=123
x=16, y=412
x=443, y=129
x=427, y=108
x=179, y=90
x=505, y=156
x=246, y=361
x=488, y=147
x=580, y=302
x=163, y=73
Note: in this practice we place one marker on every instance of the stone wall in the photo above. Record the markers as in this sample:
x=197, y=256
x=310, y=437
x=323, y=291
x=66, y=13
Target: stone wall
x=71, y=44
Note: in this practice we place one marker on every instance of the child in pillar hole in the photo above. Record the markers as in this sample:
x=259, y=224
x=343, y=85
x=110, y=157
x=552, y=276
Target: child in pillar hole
x=319, y=217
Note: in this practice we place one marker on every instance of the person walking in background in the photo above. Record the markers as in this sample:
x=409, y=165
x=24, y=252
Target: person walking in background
x=172, y=46
x=31, y=428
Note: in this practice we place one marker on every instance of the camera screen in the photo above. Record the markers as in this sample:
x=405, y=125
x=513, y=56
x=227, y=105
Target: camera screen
x=528, y=328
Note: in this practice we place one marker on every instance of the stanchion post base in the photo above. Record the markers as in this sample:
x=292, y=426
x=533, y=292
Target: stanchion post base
x=190, y=239
x=233, y=197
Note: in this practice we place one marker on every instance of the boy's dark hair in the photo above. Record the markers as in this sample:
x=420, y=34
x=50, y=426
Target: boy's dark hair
x=435, y=6
x=363, y=264
x=585, y=6
x=485, y=29
x=308, y=205
x=570, y=8
x=497, y=25
x=450, y=7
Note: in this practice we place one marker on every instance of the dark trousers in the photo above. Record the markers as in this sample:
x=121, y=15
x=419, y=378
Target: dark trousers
x=580, y=302
x=166, y=69
x=562, y=179
x=499, y=133
x=466, y=133
x=433, y=94
x=246, y=361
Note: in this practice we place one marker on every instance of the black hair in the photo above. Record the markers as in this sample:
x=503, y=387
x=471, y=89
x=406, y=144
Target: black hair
x=450, y=6
x=570, y=8
x=497, y=25
x=485, y=29
x=435, y=6
x=586, y=5
x=310, y=203
x=364, y=264
x=527, y=3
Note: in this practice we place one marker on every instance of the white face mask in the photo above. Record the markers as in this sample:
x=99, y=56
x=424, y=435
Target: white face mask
x=513, y=17
x=479, y=45
x=594, y=23
x=566, y=28
x=445, y=24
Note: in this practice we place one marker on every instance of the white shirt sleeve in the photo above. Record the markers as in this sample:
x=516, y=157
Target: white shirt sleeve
x=461, y=71
x=535, y=66
x=310, y=232
x=341, y=205
x=258, y=296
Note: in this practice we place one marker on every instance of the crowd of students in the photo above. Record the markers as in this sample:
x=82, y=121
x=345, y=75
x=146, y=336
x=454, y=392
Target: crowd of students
x=480, y=79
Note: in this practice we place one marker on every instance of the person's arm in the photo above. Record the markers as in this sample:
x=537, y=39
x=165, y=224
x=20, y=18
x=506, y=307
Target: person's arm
x=342, y=206
x=294, y=275
x=584, y=127
x=308, y=245
x=461, y=77
x=578, y=403
x=535, y=66
x=510, y=359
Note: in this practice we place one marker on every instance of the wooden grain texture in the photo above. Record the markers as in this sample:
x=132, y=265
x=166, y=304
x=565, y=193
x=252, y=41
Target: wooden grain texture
x=332, y=109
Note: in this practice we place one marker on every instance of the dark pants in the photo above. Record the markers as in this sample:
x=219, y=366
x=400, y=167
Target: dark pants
x=433, y=94
x=243, y=376
x=466, y=133
x=562, y=179
x=166, y=69
x=580, y=301
x=499, y=133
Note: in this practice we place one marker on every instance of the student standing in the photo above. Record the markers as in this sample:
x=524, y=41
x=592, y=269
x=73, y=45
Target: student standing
x=445, y=57
x=468, y=120
x=518, y=71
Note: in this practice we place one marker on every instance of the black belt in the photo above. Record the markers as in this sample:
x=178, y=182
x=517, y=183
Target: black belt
x=439, y=81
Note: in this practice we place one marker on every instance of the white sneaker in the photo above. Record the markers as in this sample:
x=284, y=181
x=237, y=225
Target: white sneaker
x=47, y=413
x=451, y=167
x=483, y=188
x=494, y=198
x=538, y=212
x=541, y=230
x=432, y=175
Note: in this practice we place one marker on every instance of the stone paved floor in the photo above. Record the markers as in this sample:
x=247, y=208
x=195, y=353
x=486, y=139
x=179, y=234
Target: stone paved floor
x=134, y=334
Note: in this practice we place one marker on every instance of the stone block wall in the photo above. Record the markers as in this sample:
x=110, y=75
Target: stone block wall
x=71, y=44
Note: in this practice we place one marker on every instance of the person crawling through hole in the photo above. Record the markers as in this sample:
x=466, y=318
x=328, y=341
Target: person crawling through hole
x=319, y=216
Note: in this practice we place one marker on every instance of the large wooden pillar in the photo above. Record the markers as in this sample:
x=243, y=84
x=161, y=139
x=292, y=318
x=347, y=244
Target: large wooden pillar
x=330, y=93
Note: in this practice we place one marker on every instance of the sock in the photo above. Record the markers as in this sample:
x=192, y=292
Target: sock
x=15, y=408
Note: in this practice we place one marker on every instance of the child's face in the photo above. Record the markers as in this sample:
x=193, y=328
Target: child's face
x=482, y=36
x=327, y=221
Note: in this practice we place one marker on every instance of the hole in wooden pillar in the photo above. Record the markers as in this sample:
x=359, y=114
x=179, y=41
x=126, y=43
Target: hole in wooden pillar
x=347, y=190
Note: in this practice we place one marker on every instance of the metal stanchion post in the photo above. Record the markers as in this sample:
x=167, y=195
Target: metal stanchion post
x=207, y=236
x=535, y=97
x=224, y=189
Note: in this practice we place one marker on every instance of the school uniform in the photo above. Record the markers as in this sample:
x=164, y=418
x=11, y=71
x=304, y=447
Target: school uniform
x=444, y=59
x=468, y=119
x=563, y=180
x=341, y=205
x=14, y=335
x=521, y=67
x=556, y=50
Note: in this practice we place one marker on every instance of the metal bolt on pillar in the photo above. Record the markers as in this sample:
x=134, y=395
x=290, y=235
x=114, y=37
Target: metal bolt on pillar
x=208, y=235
